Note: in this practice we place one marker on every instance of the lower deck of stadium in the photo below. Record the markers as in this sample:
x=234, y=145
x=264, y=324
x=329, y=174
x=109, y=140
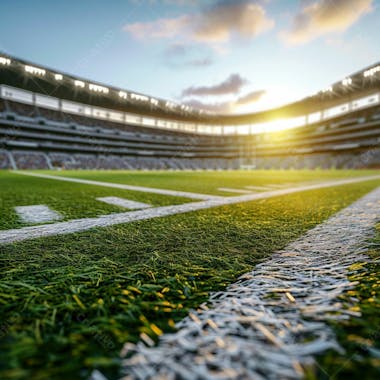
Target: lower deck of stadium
x=36, y=138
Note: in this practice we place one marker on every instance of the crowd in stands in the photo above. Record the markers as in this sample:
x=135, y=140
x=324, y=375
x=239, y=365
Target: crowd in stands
x=37, y=138
x=34, y=160
x=84, y=161
x=4, y=161
x=30, y=160
x=356, y=160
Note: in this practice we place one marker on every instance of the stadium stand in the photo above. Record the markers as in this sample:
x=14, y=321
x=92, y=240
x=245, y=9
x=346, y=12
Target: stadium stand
x=5, y=161
x=337, y=129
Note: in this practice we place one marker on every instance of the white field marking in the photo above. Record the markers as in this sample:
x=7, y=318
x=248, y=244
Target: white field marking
x=258, y=188
x=37, y=214
x=126, y=203
x=272, y=322
x=174, y=193
x=230, y=190
x=280, y=185
x=78, y=225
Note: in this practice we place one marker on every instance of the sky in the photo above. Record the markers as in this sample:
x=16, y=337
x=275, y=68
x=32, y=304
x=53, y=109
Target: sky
x=228, y=56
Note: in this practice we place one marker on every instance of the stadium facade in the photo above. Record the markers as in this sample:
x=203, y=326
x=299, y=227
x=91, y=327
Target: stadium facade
x=50, y=119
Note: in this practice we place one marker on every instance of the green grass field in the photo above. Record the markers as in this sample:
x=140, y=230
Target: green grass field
x=209, y=182
x=68, y=303
x=72, y=200
x=360, y=336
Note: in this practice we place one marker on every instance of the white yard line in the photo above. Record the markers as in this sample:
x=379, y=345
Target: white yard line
x=78, y=225
x=258, y=188
x=126, y=203
x=280, y=185
x=272, y=322
x=37, y=214
x=174, y=193
x=231, y=190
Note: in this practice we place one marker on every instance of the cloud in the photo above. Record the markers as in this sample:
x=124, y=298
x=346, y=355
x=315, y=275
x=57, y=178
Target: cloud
x=161, y=28
x=251, y=97
x=232, y=85
x=216, y=24
x=218, y=107
x=245, y=19
x=228, y=106
x=180, y=55
x=325, y=17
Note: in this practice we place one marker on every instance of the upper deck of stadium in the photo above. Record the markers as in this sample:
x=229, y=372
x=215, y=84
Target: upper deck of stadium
x=30, y=83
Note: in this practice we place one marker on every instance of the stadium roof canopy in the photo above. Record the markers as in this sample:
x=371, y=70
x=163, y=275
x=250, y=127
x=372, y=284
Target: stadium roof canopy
x=41, y=79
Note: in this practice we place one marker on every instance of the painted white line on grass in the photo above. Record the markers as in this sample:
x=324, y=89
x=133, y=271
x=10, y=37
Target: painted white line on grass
x=174, y=193
x=78, y=225
x=258, y=188
x=126, y=203
x=230, y=190
x=271, y=323
x=280, y=185
x=37, y=214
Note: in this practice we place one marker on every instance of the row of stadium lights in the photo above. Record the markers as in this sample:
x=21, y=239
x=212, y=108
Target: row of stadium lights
x=371, y=72
x=124, y=95
x=345, y=82
x=97, y=88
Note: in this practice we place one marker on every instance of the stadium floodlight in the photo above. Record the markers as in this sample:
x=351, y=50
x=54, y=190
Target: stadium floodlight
x=5, y=61
x=97, y=88
x=58, y=76
x=185, y=107
x=371, y=72
x=346, y=81
x=34, y=70
x=123, y=94
x=139, y=97
x=170, y=104
x=79, y=83
x=154, y=101
x=328, y=89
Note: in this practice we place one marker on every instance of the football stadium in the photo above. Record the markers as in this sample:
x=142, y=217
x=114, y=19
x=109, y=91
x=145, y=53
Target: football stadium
x=158, y=236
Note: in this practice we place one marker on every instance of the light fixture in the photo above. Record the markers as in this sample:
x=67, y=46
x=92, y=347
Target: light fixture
x=79, y=83
x=97, y=88
x=5, y=61
x=34, y=70
x=346, y=81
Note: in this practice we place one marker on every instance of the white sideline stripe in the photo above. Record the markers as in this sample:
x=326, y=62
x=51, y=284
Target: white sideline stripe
x=272, y=322
x=174, y=193
x=126, y=203
x=78, y=225
x=258, y=188
x=37, y=214
x=230, y=190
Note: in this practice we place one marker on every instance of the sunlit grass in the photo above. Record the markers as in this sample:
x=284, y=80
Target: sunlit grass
x=68, y=303
x=360, y=336
x=71, y=200
x=208, y=182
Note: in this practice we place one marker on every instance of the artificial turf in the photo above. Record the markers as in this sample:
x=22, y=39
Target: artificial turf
x=68, y=303
x=71, y=200
x=76, y=200
x=359, y=336
x=208, y=182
